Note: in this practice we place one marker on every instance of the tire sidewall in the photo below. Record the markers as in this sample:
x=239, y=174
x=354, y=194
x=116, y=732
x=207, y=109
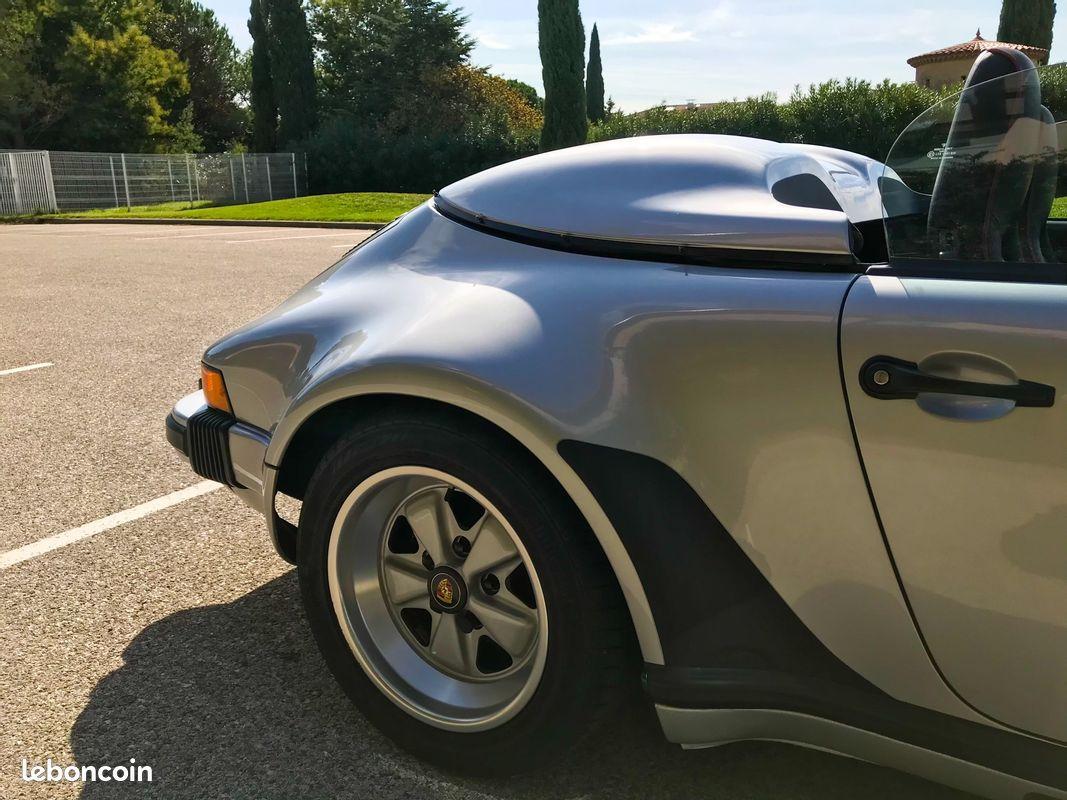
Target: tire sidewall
x=556, y=713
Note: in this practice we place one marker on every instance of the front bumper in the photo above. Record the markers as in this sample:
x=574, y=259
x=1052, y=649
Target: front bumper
x=220, y=448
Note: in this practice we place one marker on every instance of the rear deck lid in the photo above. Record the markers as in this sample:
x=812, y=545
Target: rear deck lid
x=686, y=191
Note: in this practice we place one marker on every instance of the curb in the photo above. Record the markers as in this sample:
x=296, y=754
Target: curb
x=247, y=223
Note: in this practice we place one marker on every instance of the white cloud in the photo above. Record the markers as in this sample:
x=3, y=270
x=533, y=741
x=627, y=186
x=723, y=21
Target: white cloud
x=490, y=41
x=654, y=33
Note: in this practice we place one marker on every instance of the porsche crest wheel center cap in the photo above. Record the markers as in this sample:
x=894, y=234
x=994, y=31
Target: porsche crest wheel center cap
x=447, y=591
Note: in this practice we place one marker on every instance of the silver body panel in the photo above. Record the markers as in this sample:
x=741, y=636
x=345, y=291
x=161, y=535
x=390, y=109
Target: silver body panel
x=972, y=491
x=690, y=190
x=644, y=357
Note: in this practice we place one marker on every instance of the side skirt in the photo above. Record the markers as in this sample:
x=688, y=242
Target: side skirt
x=696, y=728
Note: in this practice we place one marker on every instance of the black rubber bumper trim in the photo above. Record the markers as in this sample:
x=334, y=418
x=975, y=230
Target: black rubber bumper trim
x=176, y=434
x=708, y=687
x=204, y=440
x=208, y=440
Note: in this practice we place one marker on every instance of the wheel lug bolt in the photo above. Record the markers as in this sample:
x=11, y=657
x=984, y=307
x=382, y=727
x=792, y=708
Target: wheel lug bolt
x=461, y=546
x=427, y=561
x=490, y=583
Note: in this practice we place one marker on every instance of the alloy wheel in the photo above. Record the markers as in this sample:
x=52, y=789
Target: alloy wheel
x=438, y=598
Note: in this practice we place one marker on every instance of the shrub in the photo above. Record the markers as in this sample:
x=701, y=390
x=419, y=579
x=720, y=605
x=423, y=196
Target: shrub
x=852, y=114
x=757, y=116
x=856, y=115
x=462, y=121
x=348, y=155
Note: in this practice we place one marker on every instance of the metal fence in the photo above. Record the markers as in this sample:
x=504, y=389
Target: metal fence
x=42, y=180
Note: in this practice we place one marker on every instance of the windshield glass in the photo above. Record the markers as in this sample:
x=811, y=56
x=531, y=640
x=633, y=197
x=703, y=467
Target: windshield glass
x=978, y=177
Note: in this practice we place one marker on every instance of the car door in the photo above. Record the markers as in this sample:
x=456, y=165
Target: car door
x=972, y=490
x=954, y=361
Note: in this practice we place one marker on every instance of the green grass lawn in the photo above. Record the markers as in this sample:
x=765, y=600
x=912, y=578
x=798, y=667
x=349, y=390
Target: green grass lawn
x=349, y=207
x=1059, y=208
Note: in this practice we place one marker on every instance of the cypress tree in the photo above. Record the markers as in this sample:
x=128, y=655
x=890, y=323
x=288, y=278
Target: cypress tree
x=561, y=40
x=264, y=106
x=594, y=80
x=1027, y=22
x=293, y=68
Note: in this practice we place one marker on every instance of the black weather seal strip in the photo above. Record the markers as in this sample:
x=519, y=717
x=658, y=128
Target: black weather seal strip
x=699, y=687
x=994, y=271
x=647, y=251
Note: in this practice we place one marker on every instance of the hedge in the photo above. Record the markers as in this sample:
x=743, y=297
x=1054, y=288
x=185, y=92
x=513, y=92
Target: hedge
x=852, y=114
x=347, y=156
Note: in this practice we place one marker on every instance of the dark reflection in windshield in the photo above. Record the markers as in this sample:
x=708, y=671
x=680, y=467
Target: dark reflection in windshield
x=978, y=176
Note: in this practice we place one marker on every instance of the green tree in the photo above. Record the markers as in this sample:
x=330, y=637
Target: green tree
x=377, y=55
x=355, y=41
x=82, y=74
x=527, y=93
x=263, y=104
x=292, y=66
x=242, y=84
x=594, y=80
x=1027, y=22
x=124, y=94
x=561, y=41
x=397, y=88
x=29, y=104
x=207, y=49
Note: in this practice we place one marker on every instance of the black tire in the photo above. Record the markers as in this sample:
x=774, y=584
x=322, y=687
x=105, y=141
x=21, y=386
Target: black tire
x=589, y=638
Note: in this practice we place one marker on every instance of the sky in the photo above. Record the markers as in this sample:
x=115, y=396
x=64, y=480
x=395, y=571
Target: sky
x=676, y=51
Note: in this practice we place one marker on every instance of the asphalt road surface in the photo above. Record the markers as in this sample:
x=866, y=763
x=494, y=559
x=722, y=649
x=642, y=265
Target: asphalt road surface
x=174, y=635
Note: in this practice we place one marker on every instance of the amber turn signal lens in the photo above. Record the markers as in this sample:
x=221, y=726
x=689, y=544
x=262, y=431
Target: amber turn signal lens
x=214, y=389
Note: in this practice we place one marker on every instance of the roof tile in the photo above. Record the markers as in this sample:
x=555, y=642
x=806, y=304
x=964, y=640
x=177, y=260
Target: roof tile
x=975, y=46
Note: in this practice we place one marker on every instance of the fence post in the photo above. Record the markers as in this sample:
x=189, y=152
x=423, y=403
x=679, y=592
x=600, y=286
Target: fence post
x=50, y=186
x=270, y=191
x=196, y=178
x=114, y=182
x=170, y=178
x=189, y=177
x=244, y=173
x=125, y=180
x=292, y=161
x=233, y=180
x=15, y=183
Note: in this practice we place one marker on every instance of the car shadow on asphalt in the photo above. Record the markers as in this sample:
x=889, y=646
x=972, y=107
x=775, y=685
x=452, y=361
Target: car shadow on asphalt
x=233, y=701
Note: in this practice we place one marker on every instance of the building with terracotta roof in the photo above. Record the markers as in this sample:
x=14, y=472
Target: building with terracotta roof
x=950, y=65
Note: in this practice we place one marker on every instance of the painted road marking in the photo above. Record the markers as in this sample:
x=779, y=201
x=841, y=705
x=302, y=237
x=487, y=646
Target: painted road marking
x=27, y=368
x=228, y=231
x=276, y=238
x=50, y=543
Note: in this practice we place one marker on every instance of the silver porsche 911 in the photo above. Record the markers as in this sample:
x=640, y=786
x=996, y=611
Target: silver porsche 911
x=773, y=427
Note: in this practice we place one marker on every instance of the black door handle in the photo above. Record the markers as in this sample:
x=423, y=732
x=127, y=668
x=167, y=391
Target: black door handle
x=888, y=378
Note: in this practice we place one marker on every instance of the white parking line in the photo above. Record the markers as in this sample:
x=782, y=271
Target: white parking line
x=50, y=543
x=276, y=238
x=27, y=368
x=74, y=232
x=228, y=231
